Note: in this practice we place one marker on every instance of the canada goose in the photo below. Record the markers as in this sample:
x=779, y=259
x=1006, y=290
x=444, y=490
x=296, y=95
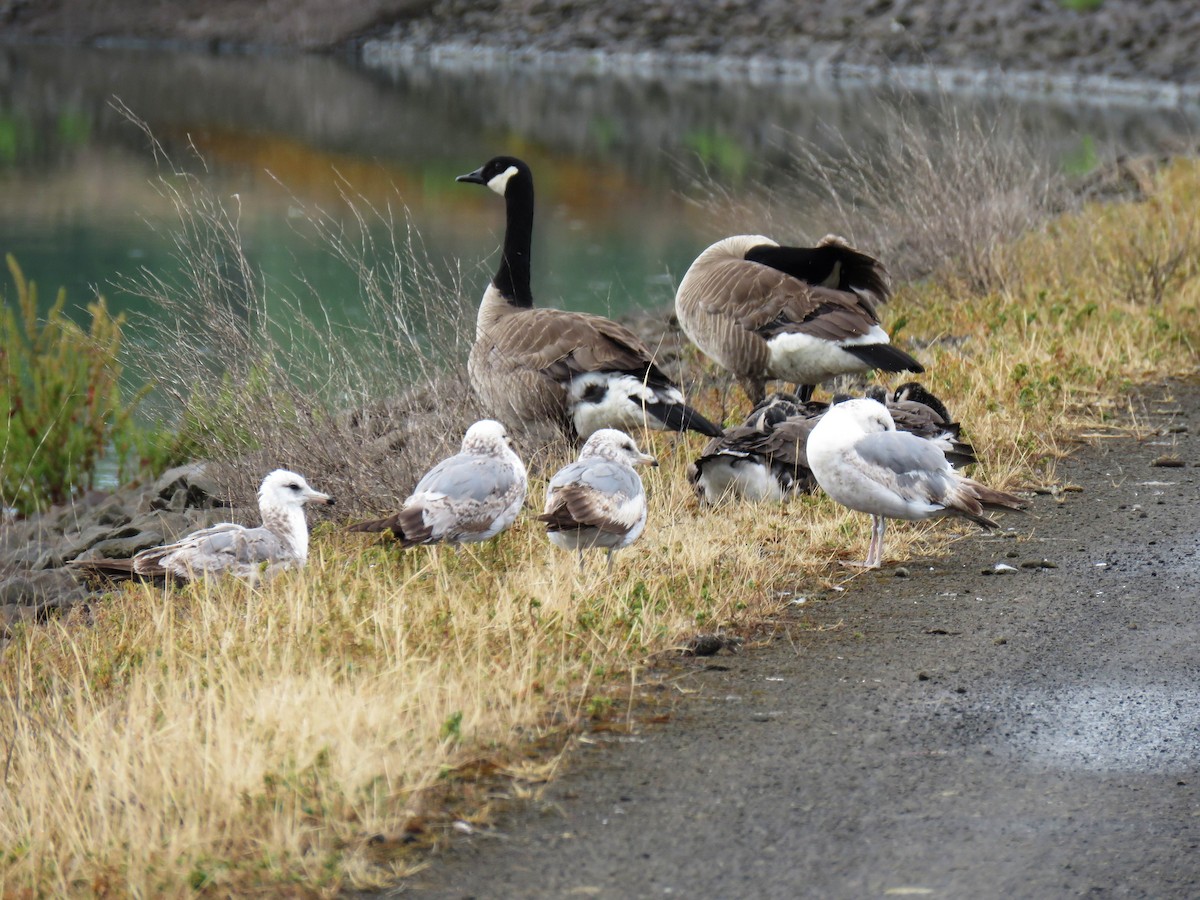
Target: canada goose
x=598, y=500
x=804, y=314
x=862, y=462
x=470, y=496
x=915, y=410
x=577, y=371
x=763, y=459
x=281, y=542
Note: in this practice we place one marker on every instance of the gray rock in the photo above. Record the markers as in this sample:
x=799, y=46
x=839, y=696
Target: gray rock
x=51, y=559
x=13, y=613
x=73, y=545
x=49, y=588
x=198, y=489
x=124, y=547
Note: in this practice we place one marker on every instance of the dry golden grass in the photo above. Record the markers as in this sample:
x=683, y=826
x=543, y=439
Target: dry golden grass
x=281, y=738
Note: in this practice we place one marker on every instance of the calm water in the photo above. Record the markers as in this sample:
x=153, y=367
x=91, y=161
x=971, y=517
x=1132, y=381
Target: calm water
x=612, y=157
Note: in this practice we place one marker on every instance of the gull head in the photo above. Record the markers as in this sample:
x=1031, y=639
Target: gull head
x=616, y=446
x=487, y=436
x=861, y=415
x=283, y=489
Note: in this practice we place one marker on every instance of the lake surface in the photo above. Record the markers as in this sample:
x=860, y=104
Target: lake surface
x=615, y=157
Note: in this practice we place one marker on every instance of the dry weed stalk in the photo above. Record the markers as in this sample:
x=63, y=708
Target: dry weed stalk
x=936, y=190
x=360, y=408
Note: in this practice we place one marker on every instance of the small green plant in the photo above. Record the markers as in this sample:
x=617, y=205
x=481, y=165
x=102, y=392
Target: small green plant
x=61, y=387
x=452, y=727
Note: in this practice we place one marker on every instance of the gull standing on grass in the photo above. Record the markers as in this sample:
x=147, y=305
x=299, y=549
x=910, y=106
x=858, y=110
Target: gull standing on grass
x=468, y=497
x=861, y=461
x=598, y=500
x=281, y=542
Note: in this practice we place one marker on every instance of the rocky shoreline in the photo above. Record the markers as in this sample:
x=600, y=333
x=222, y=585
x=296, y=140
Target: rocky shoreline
x=1117, y=39
x=36, y=581
x=1089, y=42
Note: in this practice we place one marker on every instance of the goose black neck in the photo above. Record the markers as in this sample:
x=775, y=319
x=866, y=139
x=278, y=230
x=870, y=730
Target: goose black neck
x=512, y=278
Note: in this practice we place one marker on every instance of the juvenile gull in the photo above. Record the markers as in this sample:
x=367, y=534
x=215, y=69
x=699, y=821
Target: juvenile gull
x=539, y=366
x=861, y=460
x=804, y=314
x=470, y=496
x=598, y=500
x=281, y=542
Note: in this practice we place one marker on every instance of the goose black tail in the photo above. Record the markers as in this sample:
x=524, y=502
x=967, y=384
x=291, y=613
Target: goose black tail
x=681, y=417
x=885, y=357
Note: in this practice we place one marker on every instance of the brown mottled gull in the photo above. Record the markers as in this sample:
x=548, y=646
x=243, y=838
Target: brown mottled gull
x=470, y=496
x=281, y=542
x=598, y=500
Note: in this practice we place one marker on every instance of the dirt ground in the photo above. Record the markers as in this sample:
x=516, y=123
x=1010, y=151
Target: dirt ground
x=946, y=734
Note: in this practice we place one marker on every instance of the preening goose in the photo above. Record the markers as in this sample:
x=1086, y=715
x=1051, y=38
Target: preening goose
x=803, y=314
x=862, y=462
x=281, y=542
x=598, y=500
x=577, y=371
x=470, y=496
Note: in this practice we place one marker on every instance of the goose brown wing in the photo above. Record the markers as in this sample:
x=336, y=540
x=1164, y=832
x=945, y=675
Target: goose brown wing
x=565, y=344
x=768, y=302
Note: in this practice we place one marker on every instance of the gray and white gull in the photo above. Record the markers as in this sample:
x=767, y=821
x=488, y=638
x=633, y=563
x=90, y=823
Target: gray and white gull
x=281, y=542
x=471, y=496
x=598, y=500
x=861, y=461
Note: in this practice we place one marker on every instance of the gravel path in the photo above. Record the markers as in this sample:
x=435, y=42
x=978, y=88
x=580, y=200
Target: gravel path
x=950, y=734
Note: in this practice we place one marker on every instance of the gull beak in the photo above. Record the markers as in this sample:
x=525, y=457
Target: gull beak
x=318, y=497
x=645, y=459
x=475, y=177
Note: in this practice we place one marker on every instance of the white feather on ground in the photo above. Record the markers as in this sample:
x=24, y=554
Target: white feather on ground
x=861, y=461
x=598, y=500
x=468, y=497
x=281, y=542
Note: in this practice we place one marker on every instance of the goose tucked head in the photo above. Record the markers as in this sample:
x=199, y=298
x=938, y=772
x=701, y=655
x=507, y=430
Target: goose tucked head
x=497, y=172
x=283, y=490
x=487, y=437
x=616, y=446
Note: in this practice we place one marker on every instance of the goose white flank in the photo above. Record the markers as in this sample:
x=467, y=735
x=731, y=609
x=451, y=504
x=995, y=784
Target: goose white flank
x=761, y=460
x=861, y=461
x=281, y=542
x=573, y=371
x=803, y=314
x=598, y=500
x=471, y=496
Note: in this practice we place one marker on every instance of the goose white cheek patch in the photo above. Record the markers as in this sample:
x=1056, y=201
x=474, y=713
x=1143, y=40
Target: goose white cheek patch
x=499, y=183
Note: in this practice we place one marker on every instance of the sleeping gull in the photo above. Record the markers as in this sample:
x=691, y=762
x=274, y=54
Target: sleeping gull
x=863, y=462
x=470, y=496
x=598, y=500
x=281, y=542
